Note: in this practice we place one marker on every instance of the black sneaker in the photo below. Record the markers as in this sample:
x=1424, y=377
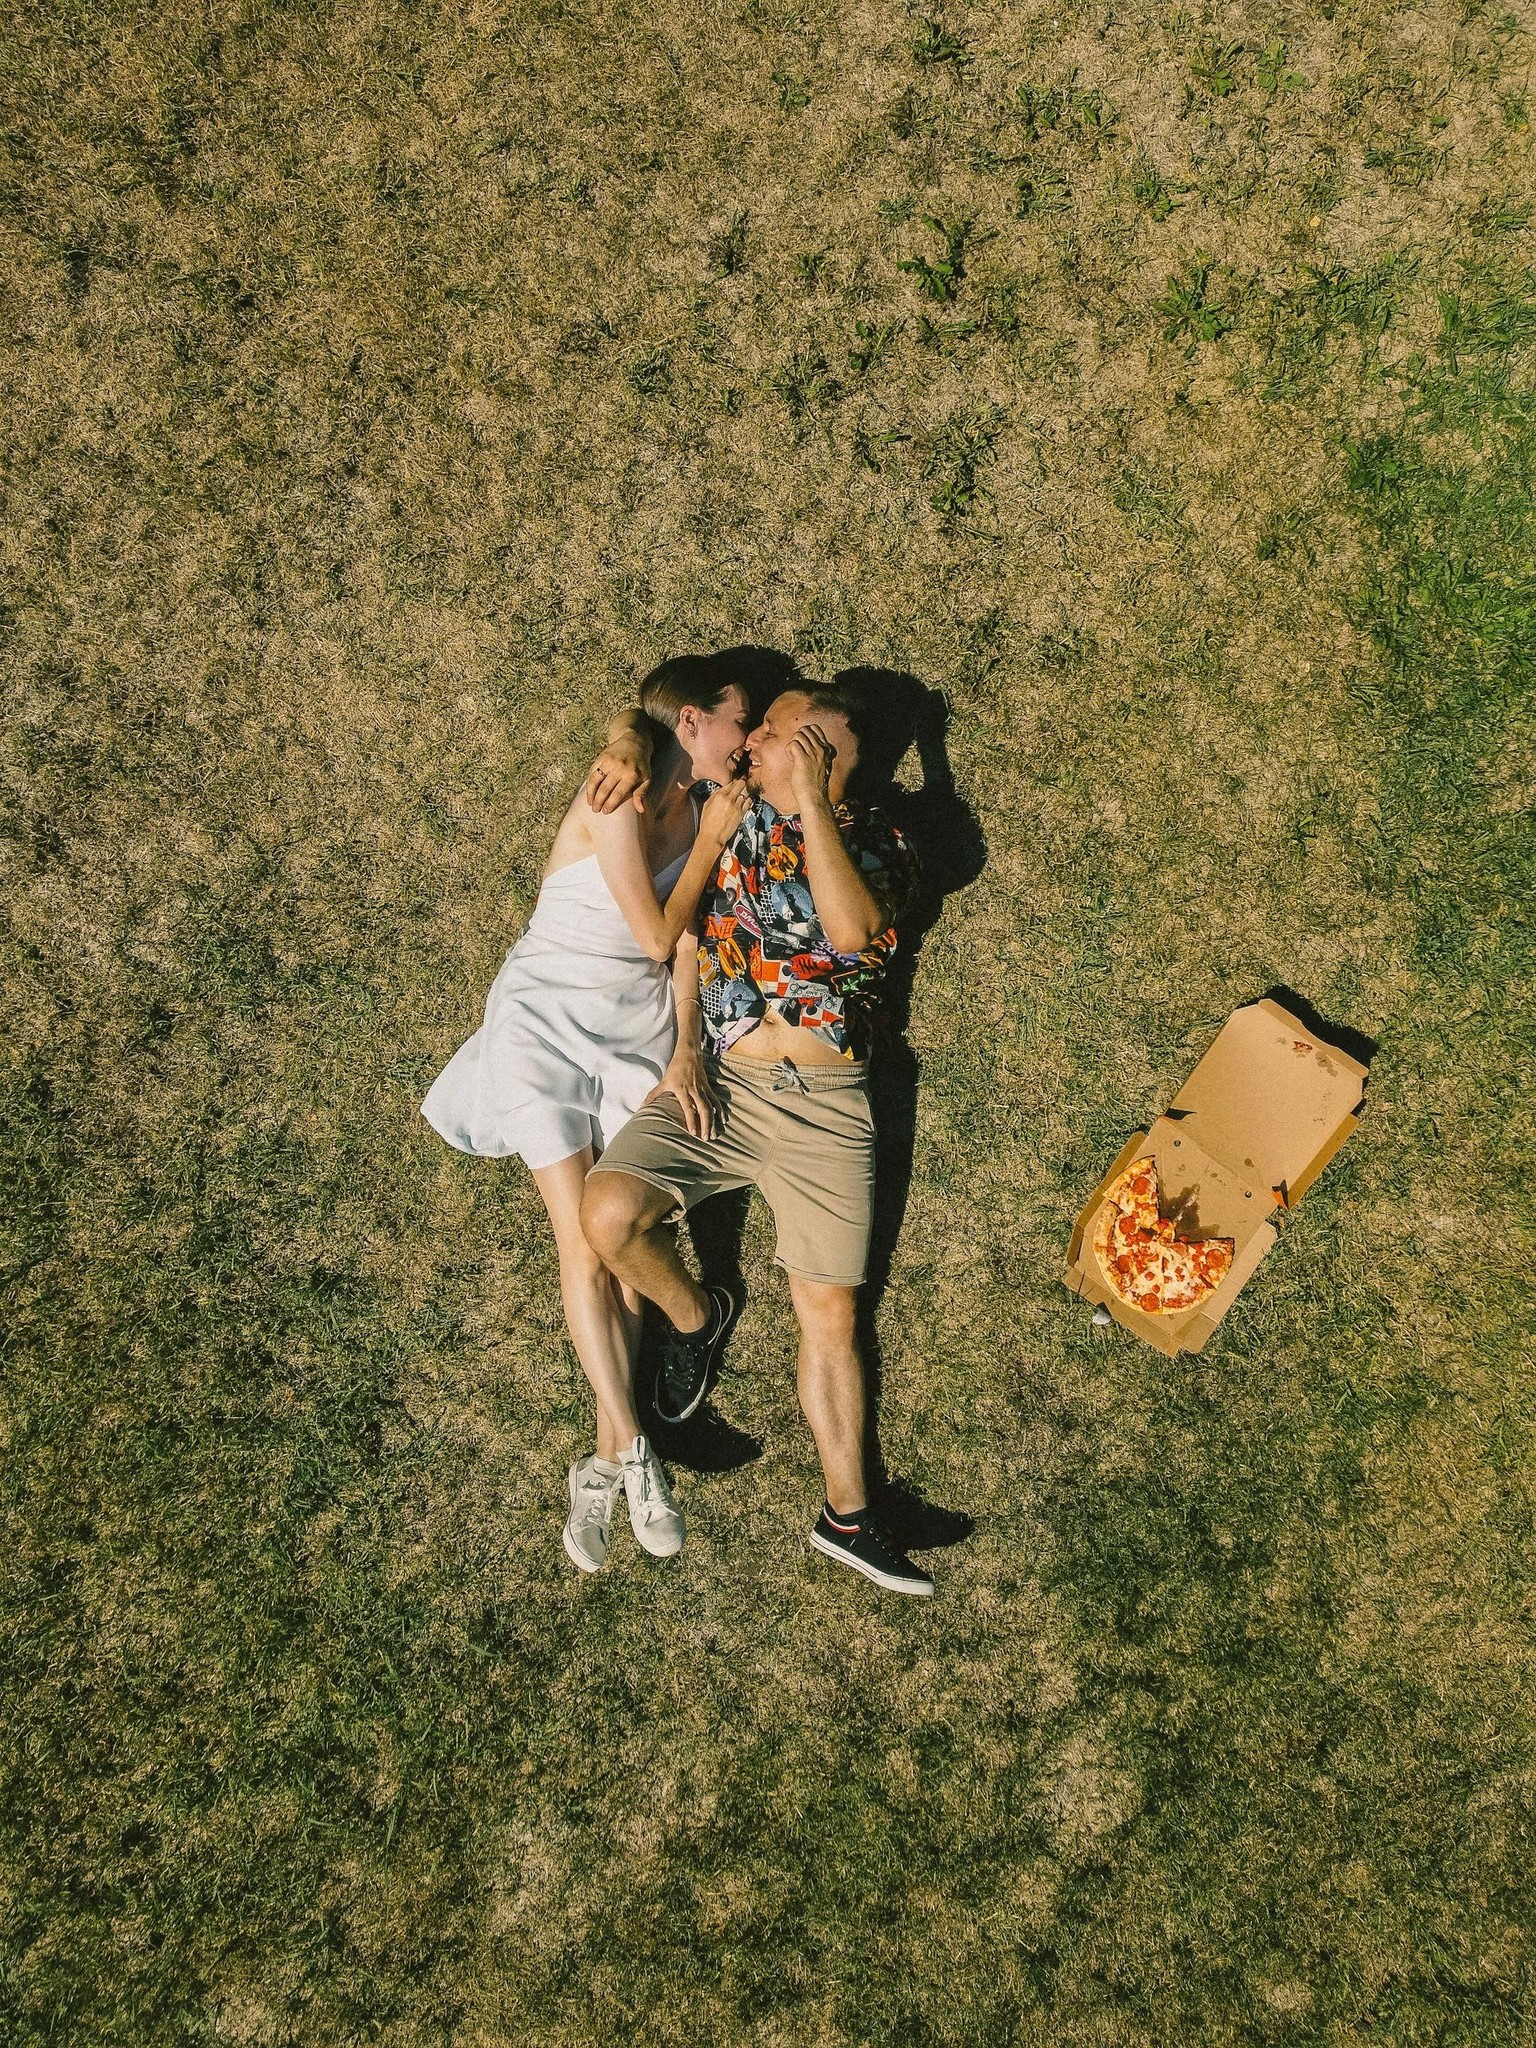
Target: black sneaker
x=689, y=1358
x=860, y=1541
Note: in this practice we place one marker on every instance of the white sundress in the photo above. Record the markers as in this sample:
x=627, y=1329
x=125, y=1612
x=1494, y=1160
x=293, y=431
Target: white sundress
x=579, y=1026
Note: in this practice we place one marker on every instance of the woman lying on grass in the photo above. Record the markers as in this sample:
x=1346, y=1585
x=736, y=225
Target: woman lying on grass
x=579, y=1027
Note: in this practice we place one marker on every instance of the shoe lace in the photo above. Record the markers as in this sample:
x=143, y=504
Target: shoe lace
x=648, y=1497
x=878, y=1539
x=683, y=1345
x=594, y=1499
x=675, y=1367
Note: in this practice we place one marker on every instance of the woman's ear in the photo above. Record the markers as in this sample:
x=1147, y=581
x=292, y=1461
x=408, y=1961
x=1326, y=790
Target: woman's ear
x=687, y=727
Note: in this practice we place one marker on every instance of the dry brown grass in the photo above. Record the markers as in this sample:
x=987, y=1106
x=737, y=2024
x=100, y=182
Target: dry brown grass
x=388, y=386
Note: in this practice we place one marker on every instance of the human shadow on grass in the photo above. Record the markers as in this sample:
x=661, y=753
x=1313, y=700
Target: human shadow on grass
x=706, y=1442
x=903, y=717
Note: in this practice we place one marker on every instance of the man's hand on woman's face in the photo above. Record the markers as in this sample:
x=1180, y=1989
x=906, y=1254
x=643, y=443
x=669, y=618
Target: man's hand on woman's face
x=618, y=776
x=811, y=758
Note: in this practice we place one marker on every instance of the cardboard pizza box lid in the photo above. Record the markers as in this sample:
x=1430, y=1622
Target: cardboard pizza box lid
x=1205, y=1199
x=1271, y=1101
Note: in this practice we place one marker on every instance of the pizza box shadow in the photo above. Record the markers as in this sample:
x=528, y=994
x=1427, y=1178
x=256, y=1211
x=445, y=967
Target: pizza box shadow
x=1342, y=1037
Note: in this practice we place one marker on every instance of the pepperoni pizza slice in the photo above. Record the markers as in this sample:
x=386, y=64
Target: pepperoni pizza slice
x=1142, y=1257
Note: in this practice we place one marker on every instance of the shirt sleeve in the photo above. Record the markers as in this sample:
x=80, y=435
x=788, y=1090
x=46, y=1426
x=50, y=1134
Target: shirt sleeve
x=885, y=861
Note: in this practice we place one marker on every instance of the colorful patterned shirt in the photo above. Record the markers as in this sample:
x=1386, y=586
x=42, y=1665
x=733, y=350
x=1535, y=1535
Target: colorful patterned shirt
x=762, y=947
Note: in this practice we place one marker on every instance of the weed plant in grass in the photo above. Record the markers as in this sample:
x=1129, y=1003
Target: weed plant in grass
x=386, y=388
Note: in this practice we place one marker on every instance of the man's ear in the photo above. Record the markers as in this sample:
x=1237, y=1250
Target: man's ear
x=845, y=769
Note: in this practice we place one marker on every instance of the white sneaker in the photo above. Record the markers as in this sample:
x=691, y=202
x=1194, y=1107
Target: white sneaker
x=653, y=1514
x=593, y=1485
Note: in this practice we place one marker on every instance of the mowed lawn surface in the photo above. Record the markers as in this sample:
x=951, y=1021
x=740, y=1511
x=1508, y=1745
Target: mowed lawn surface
x=387, y=387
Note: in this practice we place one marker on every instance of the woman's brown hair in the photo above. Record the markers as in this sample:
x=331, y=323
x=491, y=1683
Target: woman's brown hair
x=697, y=679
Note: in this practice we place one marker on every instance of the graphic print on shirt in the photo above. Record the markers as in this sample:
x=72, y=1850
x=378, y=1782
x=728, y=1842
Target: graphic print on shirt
x=762, y=942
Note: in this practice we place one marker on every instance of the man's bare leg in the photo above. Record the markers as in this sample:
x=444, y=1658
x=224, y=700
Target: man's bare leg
x=625, y=1223
x=832, y=1395
x=831, y=1386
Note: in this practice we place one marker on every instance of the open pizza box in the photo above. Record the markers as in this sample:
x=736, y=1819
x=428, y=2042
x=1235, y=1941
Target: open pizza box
x=1251, y=1129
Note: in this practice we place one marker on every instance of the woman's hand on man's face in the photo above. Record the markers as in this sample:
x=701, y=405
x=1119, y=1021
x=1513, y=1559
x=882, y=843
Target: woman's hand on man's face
x=618, y=776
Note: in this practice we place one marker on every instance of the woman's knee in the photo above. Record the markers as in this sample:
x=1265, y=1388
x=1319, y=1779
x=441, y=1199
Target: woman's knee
x=579, y=1262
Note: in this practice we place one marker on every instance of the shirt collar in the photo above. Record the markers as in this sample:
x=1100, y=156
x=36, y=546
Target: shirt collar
x=766, y=812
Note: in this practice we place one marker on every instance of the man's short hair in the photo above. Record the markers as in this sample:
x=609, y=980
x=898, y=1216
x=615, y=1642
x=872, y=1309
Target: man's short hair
x=842, y=702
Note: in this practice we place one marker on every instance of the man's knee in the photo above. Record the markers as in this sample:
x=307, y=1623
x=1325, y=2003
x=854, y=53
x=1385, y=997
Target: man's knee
x=613, y=1207
x=828, y=1315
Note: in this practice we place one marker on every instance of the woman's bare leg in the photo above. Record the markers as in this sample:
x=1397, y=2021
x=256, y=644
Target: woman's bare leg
x=632, y=1309
x=604, y=1328
x=631, y=1304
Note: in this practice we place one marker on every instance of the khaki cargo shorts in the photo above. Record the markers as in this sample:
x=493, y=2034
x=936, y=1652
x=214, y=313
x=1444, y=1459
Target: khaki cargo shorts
x=803, y=1136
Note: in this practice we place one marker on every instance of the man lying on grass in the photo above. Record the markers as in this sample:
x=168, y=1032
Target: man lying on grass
x=796, y=933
